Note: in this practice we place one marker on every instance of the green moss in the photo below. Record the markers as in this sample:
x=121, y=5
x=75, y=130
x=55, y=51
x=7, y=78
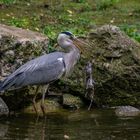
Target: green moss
x=80, y=18
x=7, y=2
x=72, y=101
x=50, y=106
x=104, y=4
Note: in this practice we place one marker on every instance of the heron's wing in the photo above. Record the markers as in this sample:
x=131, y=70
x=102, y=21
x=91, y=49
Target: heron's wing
x=41, y=70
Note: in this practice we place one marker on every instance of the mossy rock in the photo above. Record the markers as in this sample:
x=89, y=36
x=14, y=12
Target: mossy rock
x=18, y=46
x=72, y=102
x=115, y=58
x=50, y=106
x=116, y=68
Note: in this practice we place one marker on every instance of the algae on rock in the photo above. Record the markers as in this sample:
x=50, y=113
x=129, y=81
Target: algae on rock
x=115, y=58
x=18, y=46
x=116, y=61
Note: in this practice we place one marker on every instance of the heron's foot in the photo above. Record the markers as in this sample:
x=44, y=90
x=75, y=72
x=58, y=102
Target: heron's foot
x=90, y=105
x=34, y=106
x=34, y=100
x=43, y=108
x=85, y=94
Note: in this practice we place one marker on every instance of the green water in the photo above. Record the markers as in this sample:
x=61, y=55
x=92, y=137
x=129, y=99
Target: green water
x=78, y=125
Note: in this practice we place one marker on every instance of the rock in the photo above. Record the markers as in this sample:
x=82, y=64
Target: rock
x=126, y=111
x=10, y=53
x=115, y=59
x=116, y=63
x=50, y=106
x=73, y=102
x=24, y=43
x=66, y=137
x=3, y=108
x=3, y=130
x=18, y=46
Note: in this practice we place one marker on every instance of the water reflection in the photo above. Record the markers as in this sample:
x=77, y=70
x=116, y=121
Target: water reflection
x=79, y=125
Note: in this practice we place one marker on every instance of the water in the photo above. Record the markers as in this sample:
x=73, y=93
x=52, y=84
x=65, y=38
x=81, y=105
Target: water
x=78, y=125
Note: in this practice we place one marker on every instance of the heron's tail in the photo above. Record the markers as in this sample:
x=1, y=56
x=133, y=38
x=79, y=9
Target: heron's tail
x=6, y=84
x=2, y=87
x=1, y=83
x=13, y=80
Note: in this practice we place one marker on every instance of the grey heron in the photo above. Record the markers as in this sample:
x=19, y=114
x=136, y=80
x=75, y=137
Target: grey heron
x=46, y=68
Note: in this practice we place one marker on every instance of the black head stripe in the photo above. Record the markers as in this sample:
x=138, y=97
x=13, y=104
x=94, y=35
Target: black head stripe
x=67, y=33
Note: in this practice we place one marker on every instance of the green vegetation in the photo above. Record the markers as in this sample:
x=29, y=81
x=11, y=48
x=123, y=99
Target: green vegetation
x=104, y=4
x=132, y=31
x=7, y=2
x=77, y=16
x=23, y=23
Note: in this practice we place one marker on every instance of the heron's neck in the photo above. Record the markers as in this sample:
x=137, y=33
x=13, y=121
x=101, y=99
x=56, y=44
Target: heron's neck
x=71, y=58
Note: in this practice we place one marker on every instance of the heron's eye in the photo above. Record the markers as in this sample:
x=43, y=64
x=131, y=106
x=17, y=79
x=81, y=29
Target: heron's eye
x=71, y=37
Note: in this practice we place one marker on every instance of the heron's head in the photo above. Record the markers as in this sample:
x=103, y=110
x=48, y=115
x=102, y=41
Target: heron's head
x=64, y=37
x=67, y=40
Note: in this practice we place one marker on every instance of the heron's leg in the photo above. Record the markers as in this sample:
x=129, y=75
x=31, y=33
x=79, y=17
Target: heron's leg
x=45, y=88
x=34, y=99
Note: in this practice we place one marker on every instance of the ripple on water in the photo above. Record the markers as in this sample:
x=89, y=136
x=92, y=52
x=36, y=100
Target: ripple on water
x=80, y=125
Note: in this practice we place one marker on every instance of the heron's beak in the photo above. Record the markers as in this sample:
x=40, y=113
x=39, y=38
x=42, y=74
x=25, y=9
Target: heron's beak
x=80, y=45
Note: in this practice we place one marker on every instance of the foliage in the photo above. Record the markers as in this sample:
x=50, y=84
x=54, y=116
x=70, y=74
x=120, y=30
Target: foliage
x=77, y=16
x=49, y=31
x=104, y=4
x=132, y=31
x=80, y=1
x=19, y=22
x=7, y=2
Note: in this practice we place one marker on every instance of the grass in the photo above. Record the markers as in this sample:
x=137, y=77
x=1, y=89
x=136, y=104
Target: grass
x=132, y=31
x=77, y=16
x=23, y=22
x=104, y=4
x=7, y=2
